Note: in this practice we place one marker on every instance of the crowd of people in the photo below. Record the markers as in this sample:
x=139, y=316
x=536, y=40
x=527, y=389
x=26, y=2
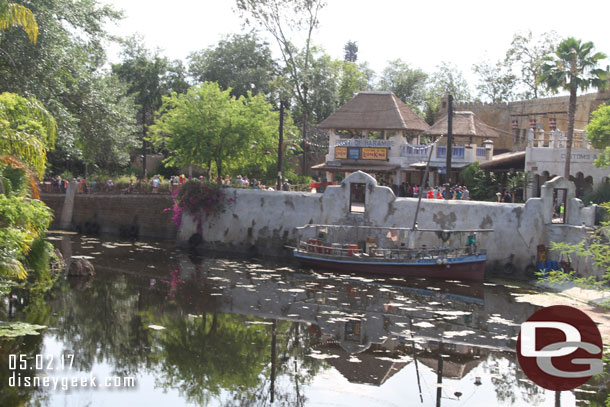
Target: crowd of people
x=244, y=182
x=456, y=192
x=57, y=184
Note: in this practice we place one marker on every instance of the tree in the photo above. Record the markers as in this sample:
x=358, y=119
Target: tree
x=108, y=126
x=240, y=62
x=447, y=79
x=572, y=68
x=207, y=126
x=527, y=56
x=148, y=77
x=409, y=84
x=351, y=51
x=65, y=71
x=497, y=82
x=353, y=79
x=27, y=130
x=278, y=18
x=13, y=14
x=598, y=133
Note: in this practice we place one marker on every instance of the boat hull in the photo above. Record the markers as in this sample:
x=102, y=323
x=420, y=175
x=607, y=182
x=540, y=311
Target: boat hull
x=460, y=268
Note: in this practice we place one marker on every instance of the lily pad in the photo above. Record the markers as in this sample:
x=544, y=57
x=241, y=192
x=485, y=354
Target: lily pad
x=15, y=329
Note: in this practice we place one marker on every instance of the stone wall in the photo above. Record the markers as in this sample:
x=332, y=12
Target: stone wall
x=117, y=214
x=263, y=221
x=500, y=115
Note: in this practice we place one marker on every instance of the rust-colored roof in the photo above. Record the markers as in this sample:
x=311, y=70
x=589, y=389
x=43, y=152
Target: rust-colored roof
x=465, y=124
x=375, y=111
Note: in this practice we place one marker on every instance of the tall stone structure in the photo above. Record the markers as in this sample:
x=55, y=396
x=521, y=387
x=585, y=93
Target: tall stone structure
x=514, y=119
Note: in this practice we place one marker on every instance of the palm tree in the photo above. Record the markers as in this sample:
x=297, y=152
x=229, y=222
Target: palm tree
x=573, y=67
x=13, y=14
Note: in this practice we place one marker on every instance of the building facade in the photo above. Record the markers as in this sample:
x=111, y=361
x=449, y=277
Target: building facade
x=377, y=133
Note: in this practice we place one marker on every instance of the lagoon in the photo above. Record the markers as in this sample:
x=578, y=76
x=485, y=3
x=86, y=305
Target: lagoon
x=162, y=327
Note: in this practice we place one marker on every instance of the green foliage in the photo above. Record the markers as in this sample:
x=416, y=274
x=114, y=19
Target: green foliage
x=66, y=72
x=27, y=130
x=599, y=195
x=526, y=55
x=353, y=79
x=446, y=79
x=496, y=81
x=351, y=51
x=242, y=63
x=291, y=17
x=573, y=67
x=207, y=126
x=517, y=184
x=596, y=248
x=408, y=84
x=482, y=185
x=598, y=133
x=13, y=14
x=23, y=223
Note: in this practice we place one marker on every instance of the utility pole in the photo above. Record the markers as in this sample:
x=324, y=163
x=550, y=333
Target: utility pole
x=280, y=146
x=449, y=138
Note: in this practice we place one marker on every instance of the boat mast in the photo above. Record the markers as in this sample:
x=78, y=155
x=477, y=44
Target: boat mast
x=421, y=188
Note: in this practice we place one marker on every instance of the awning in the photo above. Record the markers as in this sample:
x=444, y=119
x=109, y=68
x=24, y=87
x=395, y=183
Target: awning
x=355, y=167
x=505, y=162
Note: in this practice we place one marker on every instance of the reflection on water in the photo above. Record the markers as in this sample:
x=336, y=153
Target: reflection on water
x=230, y=332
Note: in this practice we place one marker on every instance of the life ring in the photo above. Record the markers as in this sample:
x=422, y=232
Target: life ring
x=509, y=268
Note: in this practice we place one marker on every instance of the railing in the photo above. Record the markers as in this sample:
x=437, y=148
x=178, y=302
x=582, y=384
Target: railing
x=557, y=139
x=318, y=248
x=458, y=152
x=481, y=152
x=420, y=151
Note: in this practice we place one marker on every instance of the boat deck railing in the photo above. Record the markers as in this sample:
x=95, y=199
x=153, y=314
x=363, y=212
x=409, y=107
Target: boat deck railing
x=386, y=254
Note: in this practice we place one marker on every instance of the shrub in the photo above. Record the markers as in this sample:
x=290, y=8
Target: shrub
x=197, y=198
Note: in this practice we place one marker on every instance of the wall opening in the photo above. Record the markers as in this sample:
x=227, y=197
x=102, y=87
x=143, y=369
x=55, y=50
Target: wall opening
x=357, y=195
x=559, y=205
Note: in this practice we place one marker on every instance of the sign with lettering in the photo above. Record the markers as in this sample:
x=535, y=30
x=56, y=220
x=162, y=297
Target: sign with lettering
x=340, y=153
x=374, y=153
x=580, y=157
x=356, y=142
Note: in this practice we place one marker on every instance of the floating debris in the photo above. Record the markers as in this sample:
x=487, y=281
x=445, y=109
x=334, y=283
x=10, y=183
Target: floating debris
x=156, y=327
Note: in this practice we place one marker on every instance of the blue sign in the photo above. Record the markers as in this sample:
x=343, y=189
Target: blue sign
x=353, y=153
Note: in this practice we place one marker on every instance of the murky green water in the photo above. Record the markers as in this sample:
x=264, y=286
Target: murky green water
x=156, y=327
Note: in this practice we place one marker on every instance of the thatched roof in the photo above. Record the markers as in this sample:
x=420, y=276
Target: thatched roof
x=465, y=124
x=375, y=111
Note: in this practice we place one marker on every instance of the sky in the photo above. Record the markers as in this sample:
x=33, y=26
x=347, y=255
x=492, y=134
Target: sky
x=422, y=33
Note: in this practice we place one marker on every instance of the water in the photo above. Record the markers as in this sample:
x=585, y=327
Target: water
x=233, y=332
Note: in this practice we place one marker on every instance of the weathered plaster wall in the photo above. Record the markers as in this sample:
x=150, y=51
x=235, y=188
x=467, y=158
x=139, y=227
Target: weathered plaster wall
x=263, y=222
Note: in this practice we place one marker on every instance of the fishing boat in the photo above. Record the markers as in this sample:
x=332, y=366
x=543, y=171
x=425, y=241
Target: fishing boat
x=382, y=250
